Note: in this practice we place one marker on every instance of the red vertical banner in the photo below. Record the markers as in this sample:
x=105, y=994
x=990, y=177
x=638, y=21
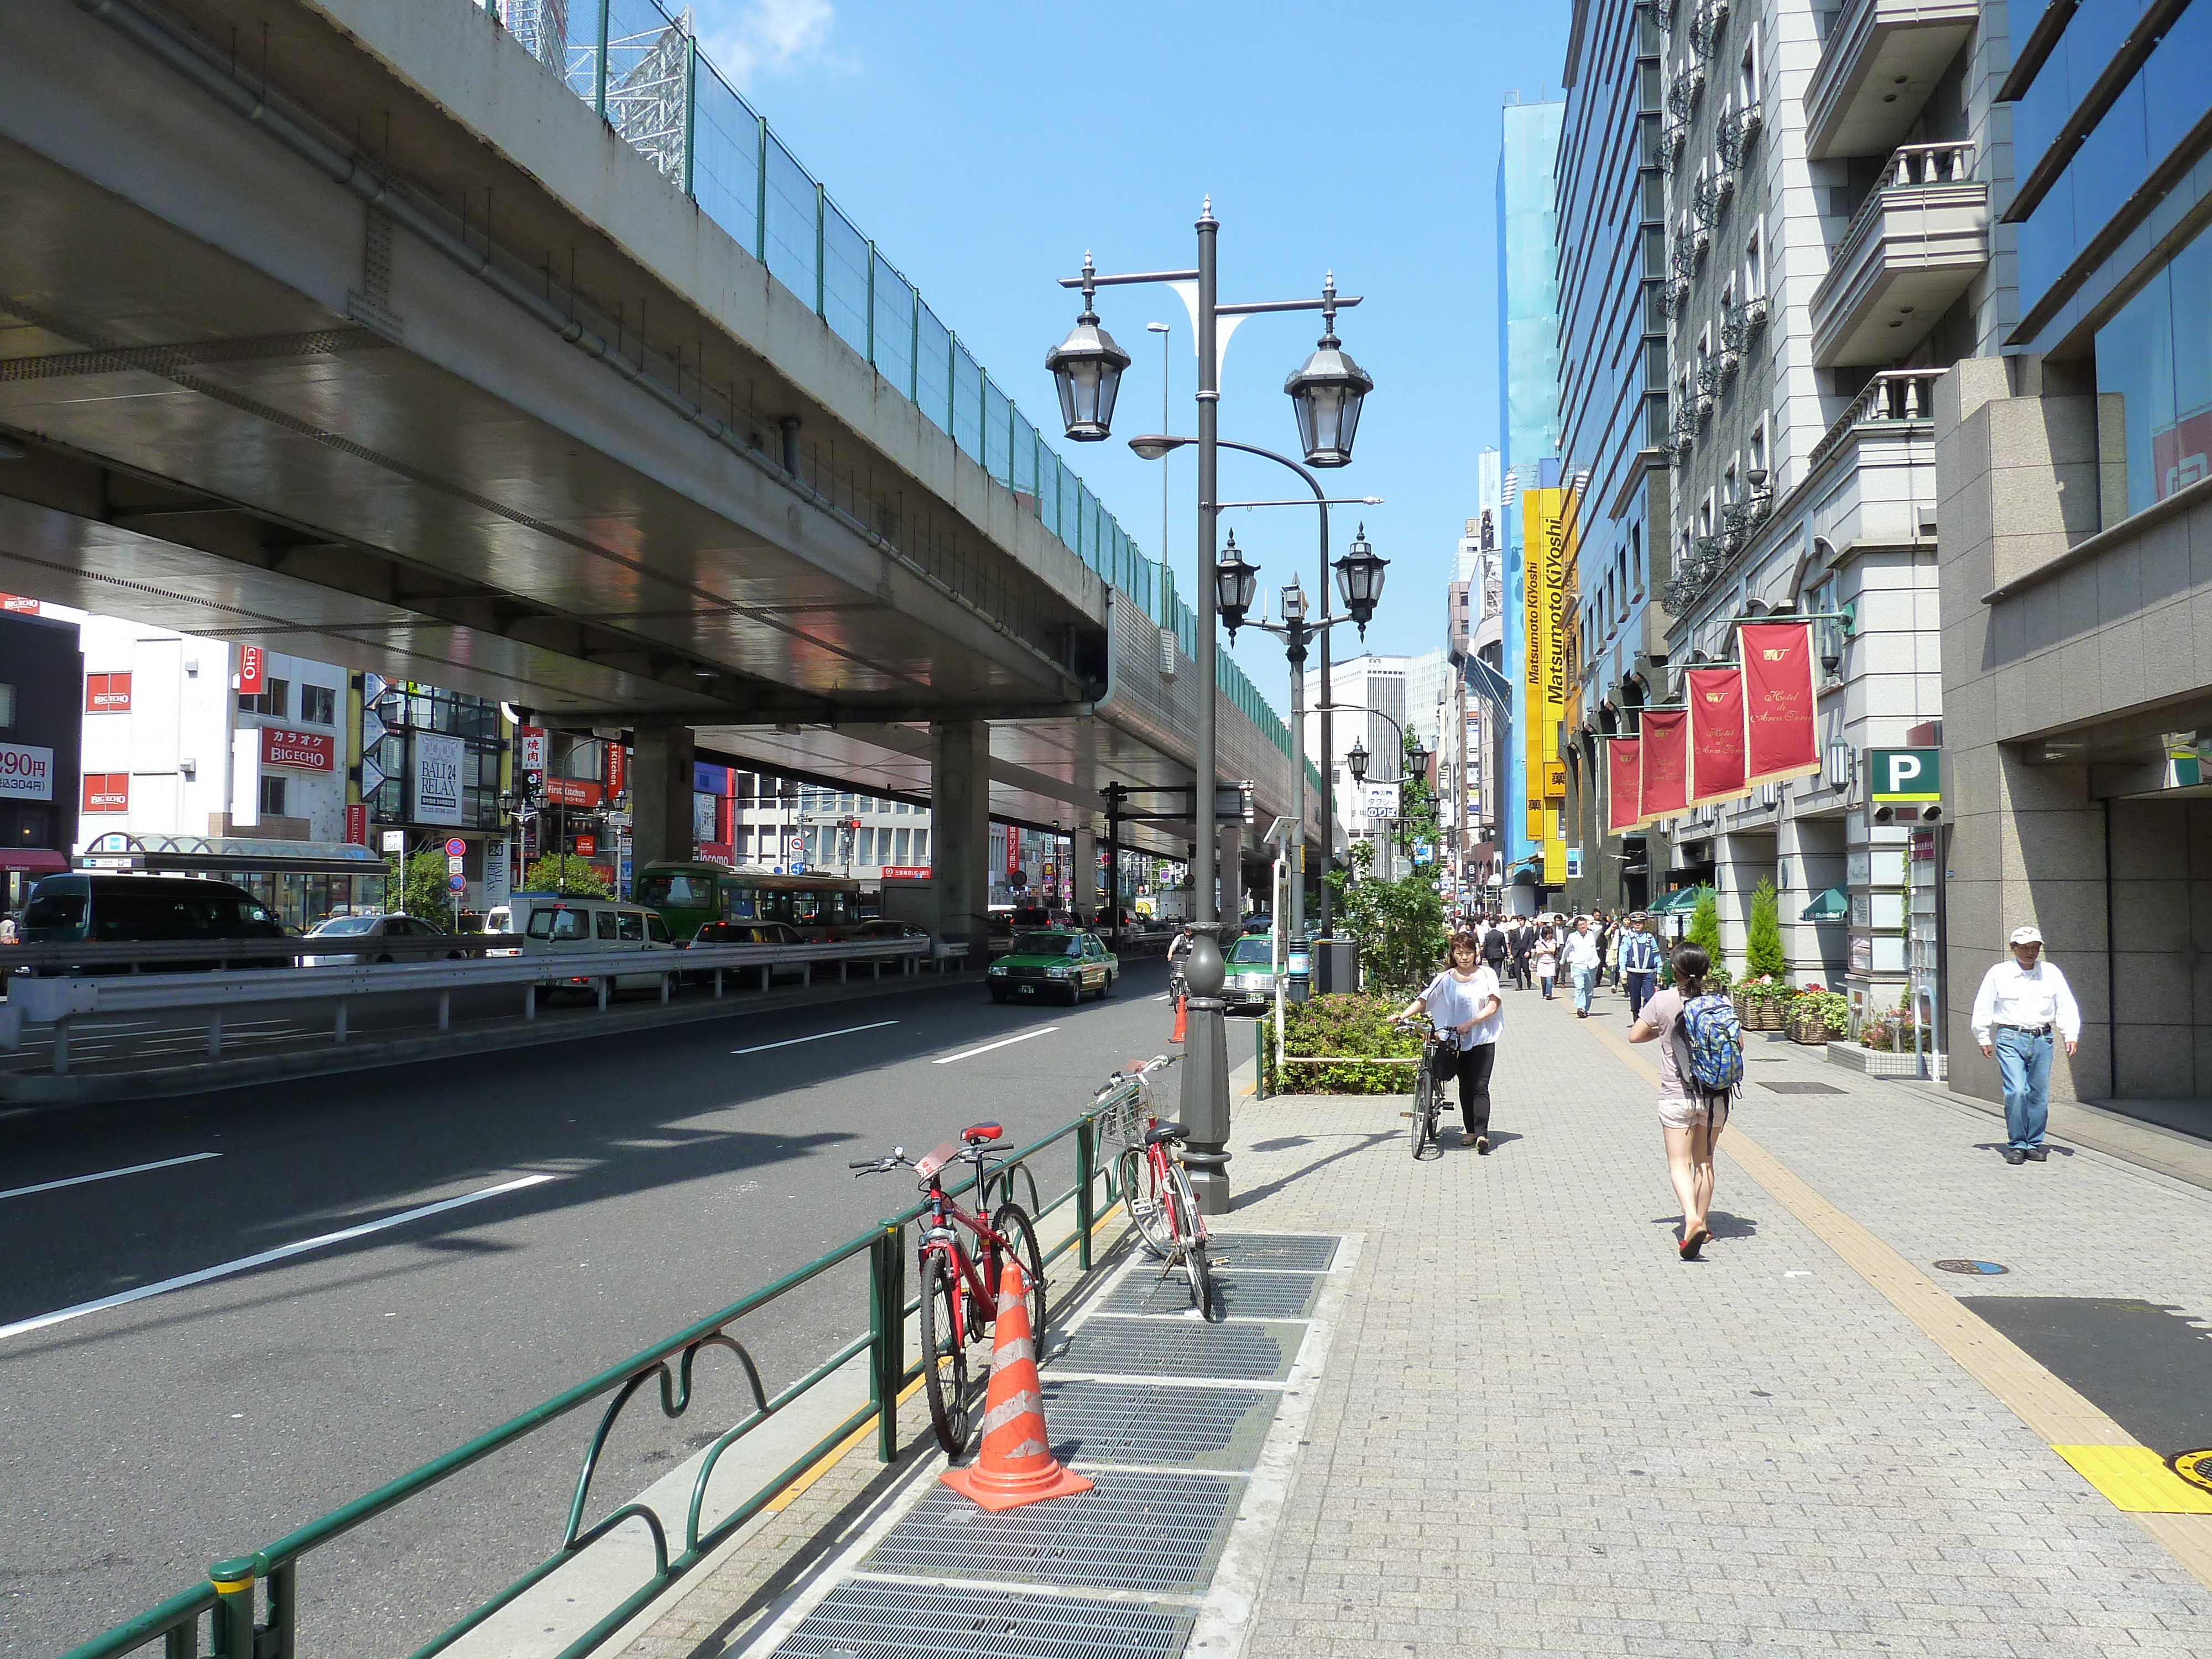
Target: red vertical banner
x=1715, y=699
x=250, y=668
x=1781, y=727
x=617, y=768
x=357, y=823
x=1624, y=787
x=1666, y=763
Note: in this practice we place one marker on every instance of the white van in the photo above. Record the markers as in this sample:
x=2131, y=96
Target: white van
x=569, y=924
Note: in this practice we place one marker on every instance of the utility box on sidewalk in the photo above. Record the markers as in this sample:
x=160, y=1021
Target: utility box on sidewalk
x=1336, y=966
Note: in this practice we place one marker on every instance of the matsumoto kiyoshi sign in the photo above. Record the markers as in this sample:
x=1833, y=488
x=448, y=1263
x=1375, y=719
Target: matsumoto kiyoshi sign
x=26, y=772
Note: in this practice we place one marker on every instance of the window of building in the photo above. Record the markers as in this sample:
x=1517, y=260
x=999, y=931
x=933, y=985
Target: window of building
x=2153, y=355
x=1759, y=445
x=902, y=847
x=1729, y=478
x=272, y=797
x=274, y=700
x=921, y=847
x=318, y=705
x=1746, y=74
x=7, y=706
x=1754, y=268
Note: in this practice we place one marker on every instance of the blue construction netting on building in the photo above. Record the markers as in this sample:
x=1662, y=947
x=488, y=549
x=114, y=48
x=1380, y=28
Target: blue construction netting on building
x=642, y=72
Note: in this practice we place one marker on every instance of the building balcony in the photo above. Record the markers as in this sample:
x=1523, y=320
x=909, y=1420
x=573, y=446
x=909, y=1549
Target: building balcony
x=1916, y=241
x=1882, y=59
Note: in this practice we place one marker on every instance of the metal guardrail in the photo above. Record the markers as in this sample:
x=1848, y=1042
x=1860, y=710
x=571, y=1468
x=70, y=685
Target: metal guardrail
x=244, y=1624
x=57, y=1002
x=140, y=956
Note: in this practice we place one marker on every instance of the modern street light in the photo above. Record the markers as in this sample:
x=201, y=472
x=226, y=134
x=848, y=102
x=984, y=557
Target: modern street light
x=1330, y=388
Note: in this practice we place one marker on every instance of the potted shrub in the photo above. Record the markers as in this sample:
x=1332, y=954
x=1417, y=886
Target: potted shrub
x=1819, y=1015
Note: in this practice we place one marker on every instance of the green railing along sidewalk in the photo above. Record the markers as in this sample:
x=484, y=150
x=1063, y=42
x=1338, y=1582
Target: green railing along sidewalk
x=641, y=69
x=251, y=1603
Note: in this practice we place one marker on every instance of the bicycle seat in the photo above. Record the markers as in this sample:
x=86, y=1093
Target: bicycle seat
x=976, y=1134
x=1164, y=1131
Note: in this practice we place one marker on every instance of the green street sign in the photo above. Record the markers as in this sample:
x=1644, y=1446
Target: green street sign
x=1903, y=775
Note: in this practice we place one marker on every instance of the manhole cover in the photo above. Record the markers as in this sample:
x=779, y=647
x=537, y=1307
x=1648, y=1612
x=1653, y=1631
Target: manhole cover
x=1801, y=1088
x=876, y=1617
x=2194, y=1467
x=1135, y=1530
x=1957, y=1264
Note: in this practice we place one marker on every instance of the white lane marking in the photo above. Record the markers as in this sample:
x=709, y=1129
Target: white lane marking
x=760, y=1048
x=970, y=1053
x=244, y=1263
x=108, y=1175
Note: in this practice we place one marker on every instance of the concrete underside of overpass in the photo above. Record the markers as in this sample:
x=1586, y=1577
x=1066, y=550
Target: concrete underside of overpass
x=456, y=387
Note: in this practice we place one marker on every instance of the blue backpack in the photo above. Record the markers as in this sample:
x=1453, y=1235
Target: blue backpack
x=1710, y=1054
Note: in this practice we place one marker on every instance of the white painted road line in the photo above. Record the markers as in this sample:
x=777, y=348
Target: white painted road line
x=246, y=1263
x=762, y=1048
x=108, y=1174
x=970, y=1053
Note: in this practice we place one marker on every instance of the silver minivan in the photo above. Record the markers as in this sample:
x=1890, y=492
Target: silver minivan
x=571, y=925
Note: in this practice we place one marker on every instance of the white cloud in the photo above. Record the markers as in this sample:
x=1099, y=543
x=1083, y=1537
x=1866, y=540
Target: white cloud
x=765, y=35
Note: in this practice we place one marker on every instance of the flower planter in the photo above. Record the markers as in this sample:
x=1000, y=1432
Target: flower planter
x=1809, y=1027
x=1874, y=1062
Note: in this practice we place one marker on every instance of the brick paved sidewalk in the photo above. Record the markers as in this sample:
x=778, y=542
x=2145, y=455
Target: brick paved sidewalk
x=1543, y=1433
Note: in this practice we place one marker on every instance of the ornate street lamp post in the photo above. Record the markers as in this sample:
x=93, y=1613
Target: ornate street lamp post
x=1326, y=394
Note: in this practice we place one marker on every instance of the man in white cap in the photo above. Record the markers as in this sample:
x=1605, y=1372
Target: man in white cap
x=2021, y=1005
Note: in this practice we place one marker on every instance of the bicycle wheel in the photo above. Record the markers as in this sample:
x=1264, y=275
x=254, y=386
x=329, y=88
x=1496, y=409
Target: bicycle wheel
x=1200, y=1271
x=1140, y=1190
x=1190, y=1240
x=1013, y=1225
x=944, y=1356
x=1423, y=1128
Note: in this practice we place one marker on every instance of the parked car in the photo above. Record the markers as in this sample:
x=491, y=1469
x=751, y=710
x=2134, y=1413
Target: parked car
x=100, y=909
x=1062, y=963
x=748, y=932
x=365, y=937
x=1249, y=982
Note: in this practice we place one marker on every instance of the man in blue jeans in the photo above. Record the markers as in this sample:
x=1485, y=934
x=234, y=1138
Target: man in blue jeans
x=2021, y=1006
x=1640, y=965
x=1581, y=961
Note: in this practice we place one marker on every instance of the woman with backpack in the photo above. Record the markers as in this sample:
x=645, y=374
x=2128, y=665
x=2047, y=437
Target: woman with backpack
x=1700, y=1060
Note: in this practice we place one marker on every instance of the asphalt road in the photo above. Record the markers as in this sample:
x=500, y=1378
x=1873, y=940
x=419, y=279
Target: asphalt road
x=670, y=1173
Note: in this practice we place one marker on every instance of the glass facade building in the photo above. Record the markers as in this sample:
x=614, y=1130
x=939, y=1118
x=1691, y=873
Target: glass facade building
x=1527, y=381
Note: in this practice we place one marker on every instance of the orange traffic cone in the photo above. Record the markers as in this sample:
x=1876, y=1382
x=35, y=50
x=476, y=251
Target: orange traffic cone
x=1182, y=1016
x=1016, y=1465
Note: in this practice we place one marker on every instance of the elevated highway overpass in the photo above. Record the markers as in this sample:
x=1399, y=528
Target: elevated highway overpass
x=378, y=331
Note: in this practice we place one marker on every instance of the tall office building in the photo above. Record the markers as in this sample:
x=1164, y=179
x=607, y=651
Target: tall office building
x=1528, y=411
x=1613, y=409
x=2075, y=524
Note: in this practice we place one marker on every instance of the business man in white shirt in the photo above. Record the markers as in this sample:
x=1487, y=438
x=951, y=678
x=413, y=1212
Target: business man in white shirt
x=2022, y=1004
x=1582, y=960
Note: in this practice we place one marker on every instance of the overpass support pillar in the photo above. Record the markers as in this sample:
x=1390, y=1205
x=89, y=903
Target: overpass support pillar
x=1230, y=863
x=660, y=795
x=960, y=828
x=1084, y=854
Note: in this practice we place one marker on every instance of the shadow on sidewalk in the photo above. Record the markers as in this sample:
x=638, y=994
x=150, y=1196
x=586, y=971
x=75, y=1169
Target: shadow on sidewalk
x=1359, y=1143
x=1723, y=1224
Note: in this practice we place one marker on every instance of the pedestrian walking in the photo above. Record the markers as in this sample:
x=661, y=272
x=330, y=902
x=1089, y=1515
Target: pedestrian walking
x=1680, y=1019
x=1523, y=937
x=1546, y=954
x=1464, y=1004
x=1581, y=955
x=2021, y=1004
x=1602, y=925
x=1495, y=949
x=1639, y=963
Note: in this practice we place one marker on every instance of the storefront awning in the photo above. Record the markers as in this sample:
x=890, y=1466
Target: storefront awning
x=1833, y=905
x=37, y=860
x=220, y=855
x=1679, y=901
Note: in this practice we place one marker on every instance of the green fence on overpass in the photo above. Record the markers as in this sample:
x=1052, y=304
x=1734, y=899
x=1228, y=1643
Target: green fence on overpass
x=642, y=70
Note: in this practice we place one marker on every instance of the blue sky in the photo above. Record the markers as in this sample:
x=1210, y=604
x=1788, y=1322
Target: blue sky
x=985, y=146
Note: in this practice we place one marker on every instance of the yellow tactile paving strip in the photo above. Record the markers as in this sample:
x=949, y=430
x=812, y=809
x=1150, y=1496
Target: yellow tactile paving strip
x=2132, y=1476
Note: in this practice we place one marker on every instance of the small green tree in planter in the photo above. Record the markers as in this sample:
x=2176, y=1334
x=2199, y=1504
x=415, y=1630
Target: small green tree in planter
x=562, y=872
x=1763, y=956
x=1704, y=930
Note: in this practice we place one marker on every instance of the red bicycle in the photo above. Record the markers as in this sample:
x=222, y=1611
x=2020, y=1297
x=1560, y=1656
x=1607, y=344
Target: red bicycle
x=960, y=1292
x=1150, y=1178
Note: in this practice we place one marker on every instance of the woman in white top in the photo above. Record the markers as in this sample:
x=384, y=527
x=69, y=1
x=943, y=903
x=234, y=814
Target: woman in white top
x=1463, y=1004
x=1690, y=1125
x=1547, y=959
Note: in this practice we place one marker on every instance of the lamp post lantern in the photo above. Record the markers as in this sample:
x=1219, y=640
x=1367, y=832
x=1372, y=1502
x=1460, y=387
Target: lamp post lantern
x=1326, y=394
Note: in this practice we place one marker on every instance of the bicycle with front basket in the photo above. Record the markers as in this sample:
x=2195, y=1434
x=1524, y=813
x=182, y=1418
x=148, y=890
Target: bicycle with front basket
x=960, y=1285
x=1153, y=1181
x=1428, y=1088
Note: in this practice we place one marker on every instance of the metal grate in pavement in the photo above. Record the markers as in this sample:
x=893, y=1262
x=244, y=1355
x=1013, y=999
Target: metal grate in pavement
x=1135, y=1530
x=1239, y=1351
x=1250, y=1296
x=1801, y=1088
x=1099, y=1422
x=1311, y=1253
x=892, y=1621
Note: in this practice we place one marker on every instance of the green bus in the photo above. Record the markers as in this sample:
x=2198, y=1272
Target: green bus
x=689, y=894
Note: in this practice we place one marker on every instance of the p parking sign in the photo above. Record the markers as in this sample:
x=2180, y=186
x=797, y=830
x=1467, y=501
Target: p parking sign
x=1905, y=775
